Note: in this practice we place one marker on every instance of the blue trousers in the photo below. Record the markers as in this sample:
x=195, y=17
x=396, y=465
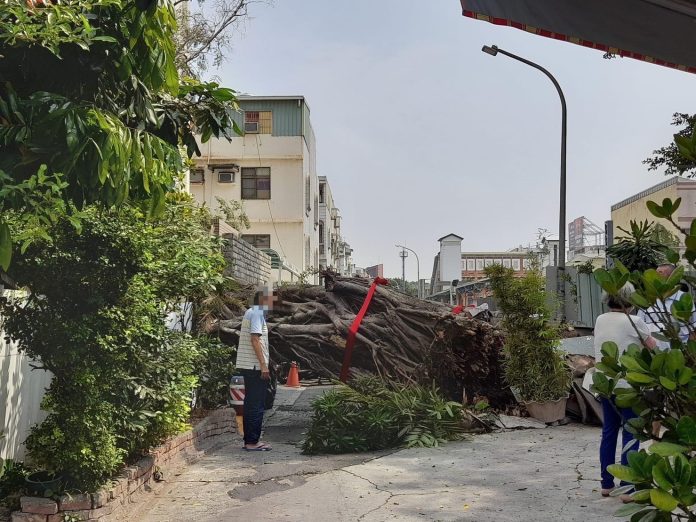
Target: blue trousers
x=614, y=421
x=254, y=404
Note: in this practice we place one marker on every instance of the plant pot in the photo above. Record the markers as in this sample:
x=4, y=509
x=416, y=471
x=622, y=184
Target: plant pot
x=547, y=411
x=41, y=482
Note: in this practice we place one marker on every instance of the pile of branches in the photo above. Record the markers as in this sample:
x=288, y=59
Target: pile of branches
x=402, y=339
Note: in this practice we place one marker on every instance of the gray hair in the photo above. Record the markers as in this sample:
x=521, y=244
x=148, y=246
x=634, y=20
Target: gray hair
x=620, y=300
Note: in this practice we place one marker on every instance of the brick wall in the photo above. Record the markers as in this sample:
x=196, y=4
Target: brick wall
x=117, y=501
x=245, y=263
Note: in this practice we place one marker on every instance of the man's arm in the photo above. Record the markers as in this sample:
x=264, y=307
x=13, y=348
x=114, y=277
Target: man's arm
x=258, y=350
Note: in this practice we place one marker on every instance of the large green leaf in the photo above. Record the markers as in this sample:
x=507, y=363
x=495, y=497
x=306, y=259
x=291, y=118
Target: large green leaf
x=5, y=246
x=663, y=500
x=686, y=429
x=667, y=449
x=624, y=473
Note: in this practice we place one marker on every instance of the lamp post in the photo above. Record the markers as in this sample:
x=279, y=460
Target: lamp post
x=417, y=268
x=493, y=51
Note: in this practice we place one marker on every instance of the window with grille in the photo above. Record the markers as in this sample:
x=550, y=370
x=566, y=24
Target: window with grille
x=322, y=238
x=258, y=122
x=316, y=211
x=307, y=195
x=197, y=175
x=258, y=240
x=256, y=183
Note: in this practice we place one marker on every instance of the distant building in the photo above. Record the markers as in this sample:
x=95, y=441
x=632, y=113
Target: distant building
x=634, y=208
x=375, y=271
x=334, y=252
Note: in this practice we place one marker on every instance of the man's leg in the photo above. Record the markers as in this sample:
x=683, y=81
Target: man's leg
x=607, y=448
x=254, y=396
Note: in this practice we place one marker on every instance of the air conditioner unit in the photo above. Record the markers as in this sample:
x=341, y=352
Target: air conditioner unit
x=197, y=176
x=226, y=176
x=251, y=127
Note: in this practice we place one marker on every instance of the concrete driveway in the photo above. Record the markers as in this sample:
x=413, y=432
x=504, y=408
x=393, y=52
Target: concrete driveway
x=534, y=474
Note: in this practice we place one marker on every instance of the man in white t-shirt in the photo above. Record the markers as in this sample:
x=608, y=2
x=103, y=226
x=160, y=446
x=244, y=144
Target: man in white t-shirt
x=252, y=363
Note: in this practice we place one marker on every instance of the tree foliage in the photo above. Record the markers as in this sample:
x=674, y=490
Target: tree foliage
x=672, y=157
x=94, y=317
x=205, y=32
x=533, y=362
x=662, y=386
x=643, y=246
x=371, y=414
x=92, y=109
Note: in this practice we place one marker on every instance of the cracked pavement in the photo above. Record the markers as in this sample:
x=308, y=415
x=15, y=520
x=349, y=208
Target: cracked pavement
x=535, y=474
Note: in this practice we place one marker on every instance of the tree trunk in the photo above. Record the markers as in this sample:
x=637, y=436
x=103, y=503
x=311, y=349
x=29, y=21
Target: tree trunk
x=401, y=338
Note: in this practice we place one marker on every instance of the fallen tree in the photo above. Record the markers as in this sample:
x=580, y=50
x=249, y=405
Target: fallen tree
x=401, y=338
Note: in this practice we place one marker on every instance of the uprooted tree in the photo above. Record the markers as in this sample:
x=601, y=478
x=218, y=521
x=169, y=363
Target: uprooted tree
x=401, y=338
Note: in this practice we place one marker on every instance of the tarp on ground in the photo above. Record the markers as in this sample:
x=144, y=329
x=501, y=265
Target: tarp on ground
x=656, y=31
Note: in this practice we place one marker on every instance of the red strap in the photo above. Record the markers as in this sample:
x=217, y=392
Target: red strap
x=353, y=330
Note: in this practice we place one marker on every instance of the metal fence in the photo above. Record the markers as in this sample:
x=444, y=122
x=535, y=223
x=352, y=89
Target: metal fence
x=21, y=391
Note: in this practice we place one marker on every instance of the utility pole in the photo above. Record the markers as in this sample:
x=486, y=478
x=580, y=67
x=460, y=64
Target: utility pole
x=403, y=255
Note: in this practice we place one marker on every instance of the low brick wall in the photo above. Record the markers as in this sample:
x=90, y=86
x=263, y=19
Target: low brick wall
x=118, y=500
x=246, y=263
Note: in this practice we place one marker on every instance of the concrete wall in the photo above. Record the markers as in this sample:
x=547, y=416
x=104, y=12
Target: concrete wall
x=21, y=391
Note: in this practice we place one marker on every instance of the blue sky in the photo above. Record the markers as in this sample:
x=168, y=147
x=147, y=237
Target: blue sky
x=421, y=134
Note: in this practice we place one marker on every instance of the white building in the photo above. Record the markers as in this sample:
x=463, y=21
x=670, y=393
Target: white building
x=333, y=253
x=272, y=171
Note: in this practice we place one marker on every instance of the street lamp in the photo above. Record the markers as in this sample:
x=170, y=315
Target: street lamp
x=417, y=269
x=493, y=51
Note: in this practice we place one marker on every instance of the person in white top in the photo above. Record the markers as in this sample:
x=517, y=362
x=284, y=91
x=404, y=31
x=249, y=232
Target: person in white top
x=252, y=363
x=623, y=329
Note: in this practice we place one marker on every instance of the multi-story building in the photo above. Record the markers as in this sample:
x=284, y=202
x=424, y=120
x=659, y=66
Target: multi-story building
x=375, y=271
x=272, y=171
x=634, y=208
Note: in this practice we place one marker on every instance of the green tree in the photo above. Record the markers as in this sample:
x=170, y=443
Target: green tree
x=641, y=248
x=94, y=317
x=398, y=284
x=92, y=110
x=671, y=157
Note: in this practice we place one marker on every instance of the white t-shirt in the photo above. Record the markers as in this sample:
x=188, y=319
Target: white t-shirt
x=617, y=327
x=253, y=322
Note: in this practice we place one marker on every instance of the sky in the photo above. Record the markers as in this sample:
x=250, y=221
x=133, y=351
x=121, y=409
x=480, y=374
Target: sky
x=420, y=134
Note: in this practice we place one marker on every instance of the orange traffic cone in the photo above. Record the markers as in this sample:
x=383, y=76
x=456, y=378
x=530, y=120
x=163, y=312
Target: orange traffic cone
x=293, y=377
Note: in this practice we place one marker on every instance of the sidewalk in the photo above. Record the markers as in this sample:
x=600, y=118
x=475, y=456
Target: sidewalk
x=544, y=474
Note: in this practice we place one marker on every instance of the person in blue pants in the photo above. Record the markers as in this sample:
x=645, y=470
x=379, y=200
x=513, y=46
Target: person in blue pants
x=252, y=364
x=619, y=327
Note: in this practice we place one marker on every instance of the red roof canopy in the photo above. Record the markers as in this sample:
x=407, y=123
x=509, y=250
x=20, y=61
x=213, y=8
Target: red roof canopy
x=656, y=31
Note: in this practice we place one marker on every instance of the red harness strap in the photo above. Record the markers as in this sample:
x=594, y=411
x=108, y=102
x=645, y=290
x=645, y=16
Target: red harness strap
x=353, y=330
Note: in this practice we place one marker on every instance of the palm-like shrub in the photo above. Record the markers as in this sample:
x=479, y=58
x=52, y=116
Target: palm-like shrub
x=533, y=363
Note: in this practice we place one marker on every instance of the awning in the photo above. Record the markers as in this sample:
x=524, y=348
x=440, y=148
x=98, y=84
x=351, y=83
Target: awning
x=656, y=31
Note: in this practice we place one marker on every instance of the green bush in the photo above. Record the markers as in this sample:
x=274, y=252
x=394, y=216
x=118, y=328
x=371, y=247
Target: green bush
x=370, y=414
x=662, y=386
x=95, y=319
x=533, y=363
x=214, y=371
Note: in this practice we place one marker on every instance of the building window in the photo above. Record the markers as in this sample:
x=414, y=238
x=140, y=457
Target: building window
x=258, y=122
x=316, y=210
x=307, y=195
x=197, y=175
x=256, y=183
x=516, y=264
x=308, y=253
x=258, y=240
x=322, y=239
x=507, y=263
x=470, y=265
x=479, y=265
x=322, y=189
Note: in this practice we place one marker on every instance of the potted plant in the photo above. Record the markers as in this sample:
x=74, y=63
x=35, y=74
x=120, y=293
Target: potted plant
x=534, y=366
x=44, y=482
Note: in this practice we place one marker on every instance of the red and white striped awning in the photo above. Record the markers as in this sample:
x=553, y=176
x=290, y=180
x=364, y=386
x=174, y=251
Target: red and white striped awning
x=656, y=31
